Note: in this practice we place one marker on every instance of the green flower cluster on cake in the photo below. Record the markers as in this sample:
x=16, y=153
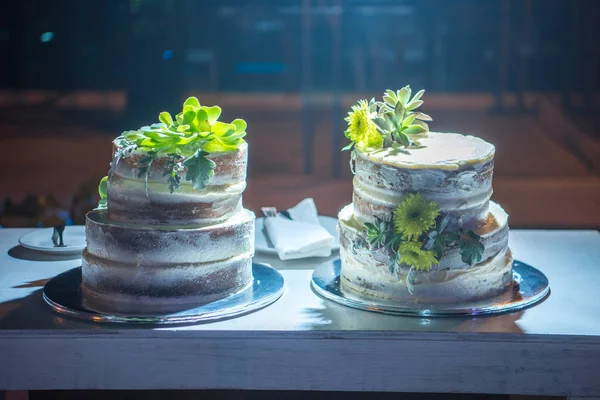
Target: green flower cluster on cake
x=393, y=122
x=416, y=237
x=195, y=128
x=186, y=141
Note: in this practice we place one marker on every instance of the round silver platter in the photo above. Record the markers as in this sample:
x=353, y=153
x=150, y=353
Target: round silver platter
x=529, y=287
x=63, y=294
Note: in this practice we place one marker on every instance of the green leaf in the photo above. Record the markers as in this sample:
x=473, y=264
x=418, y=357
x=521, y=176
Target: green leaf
x=201, y=114
x=348, y=147
x=203, y=126
x=390, y=100
x=148, y=142
x=381, y=123
x=418, y=95
x=240, y=125
x=414, y=104
x=103, y=188
x=471, y=248
x=408, y=120
x=102, y=191
x=199, y=169
x=440, y=242
x=422, y=116
x=394, y=241
x=370, y=226
x=392, y=94
x=165, y=118
x=174, y=181
x=212, y=113
x=372, y=105
x=422, y=124
x=399, y=110
x=221, y=128
x=189, y=115
x=386, y=109
x=401, y=138
x=155, y=135
x=192, y=102
x=442, y=222
x=404, y=95
x=414, y=130
x=187, y=139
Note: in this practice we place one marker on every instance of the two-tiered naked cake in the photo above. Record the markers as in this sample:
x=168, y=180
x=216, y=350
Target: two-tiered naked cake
x=171, y=232
x=421, y=228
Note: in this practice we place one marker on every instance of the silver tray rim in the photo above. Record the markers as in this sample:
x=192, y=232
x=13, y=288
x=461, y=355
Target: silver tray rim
x=533, y=288
x=267, y=287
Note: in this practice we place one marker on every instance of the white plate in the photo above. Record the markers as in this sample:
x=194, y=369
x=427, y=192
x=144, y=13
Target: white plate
x=41, y=240
x=260, y=242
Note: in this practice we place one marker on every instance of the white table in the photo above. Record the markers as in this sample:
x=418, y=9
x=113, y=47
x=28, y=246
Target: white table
x=303, y=342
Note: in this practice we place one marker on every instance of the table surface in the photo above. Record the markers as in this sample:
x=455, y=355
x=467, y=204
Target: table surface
x=305, y=342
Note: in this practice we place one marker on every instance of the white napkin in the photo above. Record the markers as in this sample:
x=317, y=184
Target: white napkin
x=299, y=237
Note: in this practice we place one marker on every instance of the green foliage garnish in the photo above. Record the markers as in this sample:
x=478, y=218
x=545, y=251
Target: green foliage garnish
x=437, y=240
x=144, y=167
x=417, y=236
x=392, y=122
x=195, y=127
x=362, y=131
x=471, y=248
x=186, y=140
x=172, y=170
x=102, y=191
x=377, y=233
x=415, y=215
x=412, y=254
x=199, y=169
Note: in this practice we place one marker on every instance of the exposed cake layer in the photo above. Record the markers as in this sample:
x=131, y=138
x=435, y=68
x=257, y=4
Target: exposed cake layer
x=146, y=268
x=493, y=232
x=366, y=268
x=451, y=169
x=115, y=287
x=486, y=279
x=147, y=199
x=168, y=244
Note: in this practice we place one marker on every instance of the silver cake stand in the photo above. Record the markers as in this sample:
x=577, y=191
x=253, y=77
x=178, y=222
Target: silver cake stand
x=529, y=287
x=63, y=295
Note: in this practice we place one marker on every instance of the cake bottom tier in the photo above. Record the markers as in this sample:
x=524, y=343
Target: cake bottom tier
x=365, y=271
x=486, y=279
x=133, y=289
x=158, y=269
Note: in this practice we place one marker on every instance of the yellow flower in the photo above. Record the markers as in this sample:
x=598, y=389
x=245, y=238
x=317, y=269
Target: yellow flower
x=361, y=128
x=414, y=216
x=412, y=254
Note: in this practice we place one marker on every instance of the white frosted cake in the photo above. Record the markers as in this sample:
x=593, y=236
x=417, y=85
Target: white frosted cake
x=171, y=232
x=421, y=228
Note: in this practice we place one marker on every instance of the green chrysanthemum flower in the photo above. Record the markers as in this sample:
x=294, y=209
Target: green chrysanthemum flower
x=412, y=254
x=414, y=216
x=361, y=128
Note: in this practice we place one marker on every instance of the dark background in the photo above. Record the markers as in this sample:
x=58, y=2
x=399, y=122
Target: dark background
x=523, y=74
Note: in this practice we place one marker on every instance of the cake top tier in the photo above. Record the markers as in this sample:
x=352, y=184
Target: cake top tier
x=392, y=131
x=448, y=151
x=186, y=148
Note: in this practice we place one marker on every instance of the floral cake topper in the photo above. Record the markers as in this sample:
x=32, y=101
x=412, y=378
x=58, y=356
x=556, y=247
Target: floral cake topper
x=393, y=122
x=186, y=141
x=417, y=237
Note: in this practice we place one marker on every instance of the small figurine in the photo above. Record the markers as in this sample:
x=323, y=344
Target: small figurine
x=57, y=236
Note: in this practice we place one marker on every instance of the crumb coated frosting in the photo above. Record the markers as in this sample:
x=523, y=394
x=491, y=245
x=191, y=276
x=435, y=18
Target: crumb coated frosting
x=449, y=151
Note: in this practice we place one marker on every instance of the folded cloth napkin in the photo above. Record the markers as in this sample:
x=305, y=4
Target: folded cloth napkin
x=301, y=236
